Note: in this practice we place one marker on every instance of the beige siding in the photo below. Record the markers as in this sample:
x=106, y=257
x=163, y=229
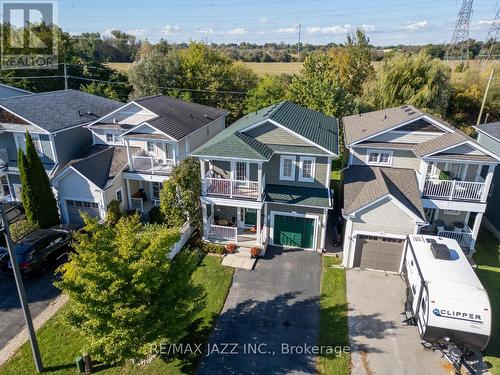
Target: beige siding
x=400, y=158
x=384, y=216
x=202, y=135
x=131, y=115
x=404, y=137
x=274, y=135
x=450, y=219
x=110, y=193
x=272, y=171
x=464, y=149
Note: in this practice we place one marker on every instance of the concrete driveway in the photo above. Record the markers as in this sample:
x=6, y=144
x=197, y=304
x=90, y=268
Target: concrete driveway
x=40, y=291
x=276, y=304
x=380, y=344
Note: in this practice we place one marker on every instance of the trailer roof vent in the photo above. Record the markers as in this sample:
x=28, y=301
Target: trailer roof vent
x=440, y=251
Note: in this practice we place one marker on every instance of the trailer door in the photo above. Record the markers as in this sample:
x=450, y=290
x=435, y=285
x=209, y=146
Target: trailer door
x=422, y=312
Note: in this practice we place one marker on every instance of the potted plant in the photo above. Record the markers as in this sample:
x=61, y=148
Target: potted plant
x=230, y=248
x=254, y=252
x=444, y=175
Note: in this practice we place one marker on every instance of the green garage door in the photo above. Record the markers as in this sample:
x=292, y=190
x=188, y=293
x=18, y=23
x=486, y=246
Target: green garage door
x=293, y=231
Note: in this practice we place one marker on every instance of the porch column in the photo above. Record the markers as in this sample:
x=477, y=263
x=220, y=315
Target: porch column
x=129, y=194
x=475, y=229
x=323, y=229
x=129, y=157
x=259, y=179
x=259, y=237
x=487, y=183
x=423, y=175
x=266, y=224
x=202, y=172
x=205, y=220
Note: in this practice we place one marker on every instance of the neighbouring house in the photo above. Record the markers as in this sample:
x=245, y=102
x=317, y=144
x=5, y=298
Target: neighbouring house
x=409, y=172
x=266, y=179
x=7, y=91
x=489, y=136
x=55, y=121
x=134, y=150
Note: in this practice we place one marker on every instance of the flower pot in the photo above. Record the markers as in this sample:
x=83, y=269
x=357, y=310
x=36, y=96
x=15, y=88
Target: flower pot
x=230, y=248
x=254, y=252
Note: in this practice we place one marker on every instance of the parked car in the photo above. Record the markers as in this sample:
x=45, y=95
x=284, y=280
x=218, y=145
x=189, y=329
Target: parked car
x=38, y=249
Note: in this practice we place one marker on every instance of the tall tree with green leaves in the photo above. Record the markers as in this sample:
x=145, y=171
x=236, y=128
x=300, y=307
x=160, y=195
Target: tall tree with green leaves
x=270, y=89
x=38, y=198
x=418, y=80
x=180, y=195
x=319, y=88
x=125, y=294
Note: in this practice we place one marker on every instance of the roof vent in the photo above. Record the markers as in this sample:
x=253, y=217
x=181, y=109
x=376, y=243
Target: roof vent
x=205, y=115
x=385, y=117
x=440, y=251
x=411, y=113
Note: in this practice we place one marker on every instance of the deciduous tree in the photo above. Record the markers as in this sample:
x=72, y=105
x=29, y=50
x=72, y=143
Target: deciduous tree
x=270, y=89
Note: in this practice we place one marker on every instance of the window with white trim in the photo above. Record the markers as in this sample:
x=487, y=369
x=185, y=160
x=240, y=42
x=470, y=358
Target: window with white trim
x=307, y=167
x=241, y=171
x=119, y=195
x=150, y=147
x=110, y=137
x=157, y=186
x=287, y=168
x=375, y=157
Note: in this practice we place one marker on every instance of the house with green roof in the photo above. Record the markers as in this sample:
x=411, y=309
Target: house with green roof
x=266, y=179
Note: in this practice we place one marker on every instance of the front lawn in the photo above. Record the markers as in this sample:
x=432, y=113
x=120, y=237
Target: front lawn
x=333, y=317
x=487, y=258
x=60, y=345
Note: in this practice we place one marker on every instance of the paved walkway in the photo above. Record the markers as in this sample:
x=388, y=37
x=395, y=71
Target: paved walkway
x=15, y=343
x=274, y=306
x=380, y=344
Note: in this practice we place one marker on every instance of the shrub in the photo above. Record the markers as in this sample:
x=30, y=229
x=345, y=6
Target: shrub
x=213, y=248
x=21, y=228
x=114, y=212
x=443, y=175
x=156, y=216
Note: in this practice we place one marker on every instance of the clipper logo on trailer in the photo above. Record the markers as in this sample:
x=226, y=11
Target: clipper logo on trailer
x=469, y=317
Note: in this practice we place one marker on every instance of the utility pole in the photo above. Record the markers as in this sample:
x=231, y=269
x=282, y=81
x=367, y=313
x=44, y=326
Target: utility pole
x=485, y=95
x=20, y=290
x=298, y=44
x=65, y=76
x=459, y=44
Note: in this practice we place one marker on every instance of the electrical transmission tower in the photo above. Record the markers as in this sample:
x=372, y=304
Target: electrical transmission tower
x=491, y=46
x=459, y=44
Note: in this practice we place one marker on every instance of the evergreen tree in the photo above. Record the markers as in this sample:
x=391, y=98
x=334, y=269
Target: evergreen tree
x=38, y=199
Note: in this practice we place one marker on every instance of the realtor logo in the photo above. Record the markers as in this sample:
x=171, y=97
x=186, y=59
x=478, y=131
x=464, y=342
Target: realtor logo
x=29, y=34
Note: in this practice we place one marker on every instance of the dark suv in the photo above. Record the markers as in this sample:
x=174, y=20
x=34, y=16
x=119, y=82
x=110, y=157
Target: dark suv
x=37, y=250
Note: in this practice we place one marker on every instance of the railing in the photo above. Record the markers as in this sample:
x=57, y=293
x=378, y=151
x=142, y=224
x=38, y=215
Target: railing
x=156, y=202
x=463, y=238
x=137, y=204
x=231, y=188
x=152, y=165
x=452, y=189
x=223, y=233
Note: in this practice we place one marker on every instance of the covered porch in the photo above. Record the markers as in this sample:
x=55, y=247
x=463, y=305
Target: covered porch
x=242, y=226
x=143, y=195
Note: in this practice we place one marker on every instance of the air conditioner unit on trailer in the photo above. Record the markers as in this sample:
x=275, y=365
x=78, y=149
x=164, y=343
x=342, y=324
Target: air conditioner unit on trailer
x=445, y=298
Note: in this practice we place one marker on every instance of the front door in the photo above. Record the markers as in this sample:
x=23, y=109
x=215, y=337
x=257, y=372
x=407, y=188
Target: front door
x=292, y=231
x=250, y=216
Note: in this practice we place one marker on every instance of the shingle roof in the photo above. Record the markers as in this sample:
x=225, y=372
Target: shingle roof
x=492, y=129
x=242, y=145
x=315, y=126
x=57, y=110
x=178, y=118
x=102, y=165
x=439, y=143
x=300, y=196
x=364, y=185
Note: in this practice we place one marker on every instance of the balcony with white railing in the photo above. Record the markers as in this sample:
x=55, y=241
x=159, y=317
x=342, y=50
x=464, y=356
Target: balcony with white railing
x=454, y=190
x=149, y=164
x=229, y=188
x=462, y=236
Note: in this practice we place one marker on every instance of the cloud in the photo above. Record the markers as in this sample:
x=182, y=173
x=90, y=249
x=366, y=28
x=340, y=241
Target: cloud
x=482, y=24
x=368, y=28
x=207, y=30
x=140, y=33
x=238, y=31
x=170, y=30
x=336, y=29
x=287, y=30
x=415, y=26
x=264, y=20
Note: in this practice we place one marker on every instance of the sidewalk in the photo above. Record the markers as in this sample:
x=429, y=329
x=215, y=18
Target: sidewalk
x=15, y=343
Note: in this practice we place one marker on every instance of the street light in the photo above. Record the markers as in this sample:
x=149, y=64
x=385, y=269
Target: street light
x=20, y=290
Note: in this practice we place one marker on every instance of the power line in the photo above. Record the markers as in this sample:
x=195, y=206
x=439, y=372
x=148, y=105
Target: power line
x=492, y=37
x=459, y=44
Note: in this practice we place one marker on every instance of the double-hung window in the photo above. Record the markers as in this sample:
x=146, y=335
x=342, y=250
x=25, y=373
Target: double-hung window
x=241, y=171
x=307, y=166
x=287, y=168
x=375, y=157
x=151, y=147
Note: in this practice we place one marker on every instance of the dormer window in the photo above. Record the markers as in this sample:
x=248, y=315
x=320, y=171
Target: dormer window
x=378, y=157
x=110, y=137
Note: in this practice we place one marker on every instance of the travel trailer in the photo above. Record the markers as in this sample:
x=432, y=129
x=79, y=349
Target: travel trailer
x=445, y=299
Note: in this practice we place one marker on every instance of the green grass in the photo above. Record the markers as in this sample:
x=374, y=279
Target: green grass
x=60, y=345
x=333, y=318
x=487, y=258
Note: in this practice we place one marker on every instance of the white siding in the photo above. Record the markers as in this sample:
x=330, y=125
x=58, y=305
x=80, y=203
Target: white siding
x=199, y=137
x=400, y=158
x=405, y=137
x=386, y=217
x=73, y=186
x=131, y=115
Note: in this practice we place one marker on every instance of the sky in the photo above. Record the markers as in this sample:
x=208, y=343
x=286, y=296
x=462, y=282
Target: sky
x=387, y=22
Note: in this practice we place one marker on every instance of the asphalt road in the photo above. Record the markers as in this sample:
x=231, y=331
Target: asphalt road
x=40, y=292
x=271, y=309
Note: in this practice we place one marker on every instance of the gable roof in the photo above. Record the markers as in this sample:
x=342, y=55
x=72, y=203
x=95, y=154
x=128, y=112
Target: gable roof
x=7, y=91
x=58, y=110
x=178, y=118
x=102, y=164
x=318, y=128
x=492, y=129
x=364, y=185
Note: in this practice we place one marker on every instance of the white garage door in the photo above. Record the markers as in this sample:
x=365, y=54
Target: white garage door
x=74, y=208
x=378, y=253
